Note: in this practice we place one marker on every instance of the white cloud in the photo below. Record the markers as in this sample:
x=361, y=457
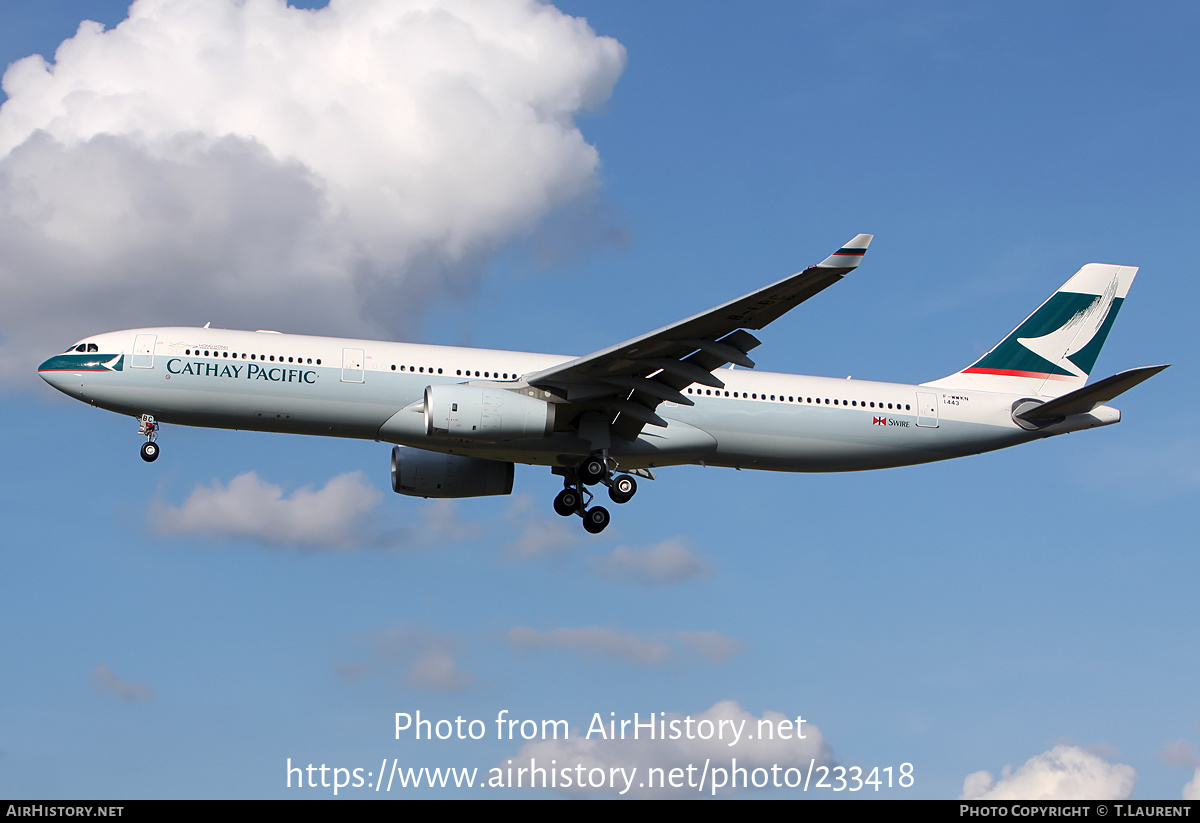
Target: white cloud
x=714, y=646
x=604, y=642
x=594, y=640
x=542, y=538
x=263, y=166
x=250, y=508
x=1179, y=753
x=670, y=561
x=443, y=525
x=424, y=657
x=755, y=750
x=437, y=669
x=105, y=681
x=539, y=536
x=1191, y=789
x=1063, y=773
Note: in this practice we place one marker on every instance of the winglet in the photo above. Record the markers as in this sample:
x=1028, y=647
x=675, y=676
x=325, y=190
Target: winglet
x=850, y=255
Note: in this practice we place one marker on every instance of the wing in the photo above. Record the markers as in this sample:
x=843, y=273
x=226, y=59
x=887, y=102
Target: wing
x=629, y=380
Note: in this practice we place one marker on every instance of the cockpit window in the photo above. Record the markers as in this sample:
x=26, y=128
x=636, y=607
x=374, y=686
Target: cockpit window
x=92, y=347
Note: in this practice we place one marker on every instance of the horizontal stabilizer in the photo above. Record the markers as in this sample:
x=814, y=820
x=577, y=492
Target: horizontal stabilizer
x=1082, y=401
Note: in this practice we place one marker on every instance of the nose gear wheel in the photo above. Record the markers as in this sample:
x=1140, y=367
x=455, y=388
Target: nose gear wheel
x=148, y=427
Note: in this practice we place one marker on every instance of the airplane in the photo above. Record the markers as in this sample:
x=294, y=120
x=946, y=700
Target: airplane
x=460, y=418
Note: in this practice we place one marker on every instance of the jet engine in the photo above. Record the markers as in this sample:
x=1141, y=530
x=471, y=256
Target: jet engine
x=462, y=412
x=432, y=474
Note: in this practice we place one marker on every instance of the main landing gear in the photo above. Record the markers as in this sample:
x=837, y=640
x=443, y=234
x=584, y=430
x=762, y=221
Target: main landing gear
x=575, y=497
x=148, y=427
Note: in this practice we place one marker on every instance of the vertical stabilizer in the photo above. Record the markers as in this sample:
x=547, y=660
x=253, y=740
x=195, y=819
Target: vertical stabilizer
x=1054, y=350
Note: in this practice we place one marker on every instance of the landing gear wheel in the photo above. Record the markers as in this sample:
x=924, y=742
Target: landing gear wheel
x=592, y=470
x=595, y=519
x=567, y=502
x=149, y=451
x=623, y=489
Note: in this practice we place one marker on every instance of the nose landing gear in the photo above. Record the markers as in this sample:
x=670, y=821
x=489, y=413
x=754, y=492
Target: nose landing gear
x=148, y=427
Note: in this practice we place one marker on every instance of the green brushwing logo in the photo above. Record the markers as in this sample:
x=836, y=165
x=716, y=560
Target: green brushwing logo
x=1062, y=338
x=84, y=362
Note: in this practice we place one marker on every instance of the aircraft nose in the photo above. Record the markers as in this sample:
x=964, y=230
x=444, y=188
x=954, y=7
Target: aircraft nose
x=53, y=371
x=47, y=372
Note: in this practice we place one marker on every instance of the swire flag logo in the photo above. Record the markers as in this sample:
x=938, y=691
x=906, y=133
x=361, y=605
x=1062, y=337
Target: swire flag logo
x=879, y=421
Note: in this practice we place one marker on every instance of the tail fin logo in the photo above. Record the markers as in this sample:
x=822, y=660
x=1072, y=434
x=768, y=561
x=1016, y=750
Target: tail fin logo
x=1060, y=345
x=1059, y=341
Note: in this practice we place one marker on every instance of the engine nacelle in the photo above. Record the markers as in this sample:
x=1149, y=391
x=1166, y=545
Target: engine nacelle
x=432, y=474
x=461, y=412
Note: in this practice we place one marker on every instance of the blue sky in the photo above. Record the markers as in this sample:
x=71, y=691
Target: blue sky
x=962, y=617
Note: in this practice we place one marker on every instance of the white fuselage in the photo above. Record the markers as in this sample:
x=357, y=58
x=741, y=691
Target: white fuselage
x=373, y=390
